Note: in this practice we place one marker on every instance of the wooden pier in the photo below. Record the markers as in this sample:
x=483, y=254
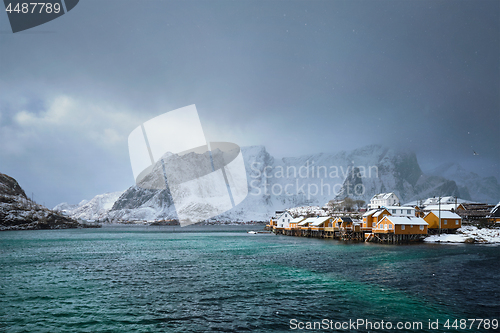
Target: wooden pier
x=397, y=239
x=350, y=235
x=334, y=233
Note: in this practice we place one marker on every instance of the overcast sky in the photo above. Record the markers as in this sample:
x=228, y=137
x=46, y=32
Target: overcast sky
x=299, y=77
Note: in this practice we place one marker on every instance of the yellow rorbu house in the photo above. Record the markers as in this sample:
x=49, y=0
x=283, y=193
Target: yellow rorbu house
x=368, y=219
x=344, y=222
x=272, y=223
x=295, y=221
x=449, y=220
x=321, y=222
x=378, y=216
x=304, y=225
x=396, y=228
x=372, y=217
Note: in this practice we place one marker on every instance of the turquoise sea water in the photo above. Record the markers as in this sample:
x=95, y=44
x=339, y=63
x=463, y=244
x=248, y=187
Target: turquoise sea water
x=222, y=279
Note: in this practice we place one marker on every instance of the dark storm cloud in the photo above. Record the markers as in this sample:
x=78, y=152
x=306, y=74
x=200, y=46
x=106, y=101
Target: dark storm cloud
x=297, y=76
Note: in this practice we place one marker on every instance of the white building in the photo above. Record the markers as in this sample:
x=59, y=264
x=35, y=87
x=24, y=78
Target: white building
x=430, y=201
x=283, y=220
x=448, y=200
x=383, y=199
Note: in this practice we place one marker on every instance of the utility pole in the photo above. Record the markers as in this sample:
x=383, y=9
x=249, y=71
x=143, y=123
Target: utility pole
x=439, y=212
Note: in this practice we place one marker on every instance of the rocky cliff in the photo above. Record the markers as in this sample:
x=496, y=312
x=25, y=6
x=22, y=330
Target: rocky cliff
x=18, y=212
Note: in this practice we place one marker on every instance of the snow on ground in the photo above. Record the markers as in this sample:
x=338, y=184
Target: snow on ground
x=465, y=233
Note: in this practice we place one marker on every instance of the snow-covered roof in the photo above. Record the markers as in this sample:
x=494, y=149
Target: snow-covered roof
x=297, y=219
x=280, y=215
x=319, y=221
x=441, y=207
x=443, y=200
x=495, y=212
x=308, y=220
x=448, y=199
x=430, y=201
x=379, y=212
x=383, y=196
x=370, y=212
x=406, y=220
x=412, y=203
x=445, y=214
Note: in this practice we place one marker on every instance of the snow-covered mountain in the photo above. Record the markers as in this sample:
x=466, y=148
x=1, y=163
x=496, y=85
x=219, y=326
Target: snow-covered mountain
x=471, y=185
x=310, y=180
x=95, y=209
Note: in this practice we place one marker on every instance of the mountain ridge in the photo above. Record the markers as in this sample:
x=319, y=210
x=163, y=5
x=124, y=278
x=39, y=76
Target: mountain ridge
x=314, y=179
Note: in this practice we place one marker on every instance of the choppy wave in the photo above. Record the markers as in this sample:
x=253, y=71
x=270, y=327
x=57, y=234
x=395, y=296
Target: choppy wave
x=225, y=280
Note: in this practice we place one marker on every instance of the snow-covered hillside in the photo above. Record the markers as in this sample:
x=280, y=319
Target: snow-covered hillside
x=18, y=212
